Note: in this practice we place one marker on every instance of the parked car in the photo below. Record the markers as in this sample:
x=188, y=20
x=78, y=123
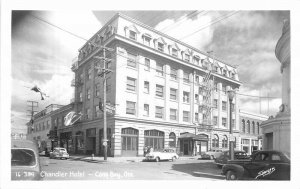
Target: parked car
x=25, y=163
x=225, y=156
x=213, y=154
x=165, y=154
x=265, y=165
x=60, y=153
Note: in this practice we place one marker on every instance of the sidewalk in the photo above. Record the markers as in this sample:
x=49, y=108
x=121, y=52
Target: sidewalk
x=98, y=159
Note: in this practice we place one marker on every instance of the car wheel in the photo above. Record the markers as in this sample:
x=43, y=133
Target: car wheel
x=174, y=158
x=157, y=159
x=231, y=175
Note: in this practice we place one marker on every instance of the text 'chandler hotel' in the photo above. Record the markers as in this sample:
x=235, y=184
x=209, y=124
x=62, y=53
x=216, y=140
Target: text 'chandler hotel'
x=166, y=93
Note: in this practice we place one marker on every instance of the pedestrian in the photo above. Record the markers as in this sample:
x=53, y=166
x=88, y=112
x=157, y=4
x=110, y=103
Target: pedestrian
x=145, y=151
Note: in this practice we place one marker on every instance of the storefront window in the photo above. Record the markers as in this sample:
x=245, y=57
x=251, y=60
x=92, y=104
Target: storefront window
x=215, y=141
x=172, y=140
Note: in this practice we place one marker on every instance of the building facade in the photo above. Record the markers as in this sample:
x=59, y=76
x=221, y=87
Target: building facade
x=46, y=124
x=166, y=93
x=250, y=131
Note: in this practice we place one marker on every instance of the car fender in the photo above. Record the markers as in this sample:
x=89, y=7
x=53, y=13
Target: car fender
x=233, y=167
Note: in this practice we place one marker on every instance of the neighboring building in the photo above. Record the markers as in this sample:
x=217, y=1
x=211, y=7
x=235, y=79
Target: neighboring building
x=277, y=130
x=250, y=131
x=163, y=91
x=44, y=122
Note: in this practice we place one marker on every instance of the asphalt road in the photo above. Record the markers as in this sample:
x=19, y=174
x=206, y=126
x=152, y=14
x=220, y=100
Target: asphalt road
x=76, y=169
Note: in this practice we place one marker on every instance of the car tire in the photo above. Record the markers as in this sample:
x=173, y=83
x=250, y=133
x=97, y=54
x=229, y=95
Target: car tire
x=231, y=175
x=157, y=159
x=173, y=158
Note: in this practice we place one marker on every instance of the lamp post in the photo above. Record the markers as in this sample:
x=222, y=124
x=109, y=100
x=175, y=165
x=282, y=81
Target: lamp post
x=231, y=94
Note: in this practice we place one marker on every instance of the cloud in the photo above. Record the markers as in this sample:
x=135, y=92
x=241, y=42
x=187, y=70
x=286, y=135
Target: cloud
x=186, y=27
x=42, y=55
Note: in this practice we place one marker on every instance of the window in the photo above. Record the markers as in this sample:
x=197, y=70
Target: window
x=174, y=52
x=131, y=60
x=224, y=122
x=89, y=73
x=224, y=105
x=173, y=94
x=248, y=126
x=146, y=87
x=131, y=84
x=172, y=140
x=224, y=72
x=225, y=142
x=257, y=128
x=159, y=112
x=216, y=87
x=215, y=69
x=215, y=141
x=130, y=107
x=159, y=91
x=233, y=124
x=147, y=41
x=196, y=98
x=186, y=116
x=173, y=74
x=88, y=94
x=87, y=113
x=97, y=90
x=233, y=76
x=243, y=126
x=253, y=127
x=196, y=117
x=196, y=60
x=146, y=110
x=186, y=97
x=215, y=120
x=275, y=157
x=197, y=79
x=173, y=114
x=97, y=112
x=160, y=47
x=224, y=89
x=187, y=57
x=80, y=96
x=186, y=77
x=215, y=103
x=132, y=35
x=147, y=64
x=159, y=69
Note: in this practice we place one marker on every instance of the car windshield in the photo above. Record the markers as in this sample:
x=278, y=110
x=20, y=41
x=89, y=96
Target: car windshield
x=22, y=157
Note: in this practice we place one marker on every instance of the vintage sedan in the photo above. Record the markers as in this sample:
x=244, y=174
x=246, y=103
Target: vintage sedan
x=165, y=154
x=225, y=156
x=60, y=153
x=263, y=165
x=25, y=163
x=213, y=154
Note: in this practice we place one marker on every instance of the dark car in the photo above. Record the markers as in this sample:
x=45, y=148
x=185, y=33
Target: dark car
x=25, y=164
x=225, y=156
x=263, y=165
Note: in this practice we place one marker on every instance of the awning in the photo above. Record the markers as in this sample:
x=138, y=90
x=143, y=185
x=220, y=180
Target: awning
x=192, y=136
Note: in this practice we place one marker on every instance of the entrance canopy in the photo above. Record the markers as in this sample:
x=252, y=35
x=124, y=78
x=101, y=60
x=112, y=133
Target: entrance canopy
x=193, y=137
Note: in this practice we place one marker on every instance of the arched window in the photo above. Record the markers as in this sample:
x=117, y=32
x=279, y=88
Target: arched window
x=215, y=141
x=248, y=126
x=257, y=128
x=225, y=142
x=253, y=127
x=154, y=138
x=243, y=126
x=172, y=140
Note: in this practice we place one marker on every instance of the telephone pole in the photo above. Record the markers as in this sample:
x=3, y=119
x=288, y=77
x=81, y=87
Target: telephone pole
x=103, y=73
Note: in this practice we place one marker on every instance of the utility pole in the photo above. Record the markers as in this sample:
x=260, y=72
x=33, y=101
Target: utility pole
x=103, y=73
x=32, y=105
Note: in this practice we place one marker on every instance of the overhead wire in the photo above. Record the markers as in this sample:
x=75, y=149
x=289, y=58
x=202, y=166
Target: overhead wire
x=165, y=73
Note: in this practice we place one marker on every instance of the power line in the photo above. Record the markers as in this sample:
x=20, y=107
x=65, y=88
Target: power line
x=227, y=16
x=142, y=63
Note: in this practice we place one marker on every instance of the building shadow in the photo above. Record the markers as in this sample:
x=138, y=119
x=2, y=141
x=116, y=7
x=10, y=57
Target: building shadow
x=204, y=170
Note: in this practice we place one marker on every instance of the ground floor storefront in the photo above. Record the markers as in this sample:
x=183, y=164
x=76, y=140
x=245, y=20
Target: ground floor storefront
x=130, y=138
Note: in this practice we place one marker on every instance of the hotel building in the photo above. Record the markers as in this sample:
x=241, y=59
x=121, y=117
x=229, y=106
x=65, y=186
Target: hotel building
x=166, y=93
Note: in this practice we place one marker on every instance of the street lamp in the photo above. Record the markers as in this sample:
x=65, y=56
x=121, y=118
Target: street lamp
x=231, y=94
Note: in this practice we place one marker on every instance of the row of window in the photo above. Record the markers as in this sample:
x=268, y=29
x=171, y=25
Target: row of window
x=186, y=55
x=215, y=141
x=41, y=126
x=247, y=129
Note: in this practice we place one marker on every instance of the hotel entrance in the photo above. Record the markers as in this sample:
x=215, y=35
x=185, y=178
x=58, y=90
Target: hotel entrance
x=191, y=144
x=129, y=142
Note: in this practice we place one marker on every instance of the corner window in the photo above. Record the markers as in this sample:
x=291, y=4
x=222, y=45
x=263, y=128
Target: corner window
x=159, y=69
x=132, y=35
x=131, y=60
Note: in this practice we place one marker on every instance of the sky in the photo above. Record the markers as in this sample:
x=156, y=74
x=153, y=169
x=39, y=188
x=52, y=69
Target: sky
x=42, y=54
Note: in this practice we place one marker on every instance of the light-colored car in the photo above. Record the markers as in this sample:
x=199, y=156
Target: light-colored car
x=211, y=154
x=165, y=154
x=25, y=163
x=60, y=153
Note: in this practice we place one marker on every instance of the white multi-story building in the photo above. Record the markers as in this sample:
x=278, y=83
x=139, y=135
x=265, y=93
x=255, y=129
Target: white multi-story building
x=166, y=93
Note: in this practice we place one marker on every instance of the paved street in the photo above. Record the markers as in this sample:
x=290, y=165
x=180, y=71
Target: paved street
x=82, y=169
